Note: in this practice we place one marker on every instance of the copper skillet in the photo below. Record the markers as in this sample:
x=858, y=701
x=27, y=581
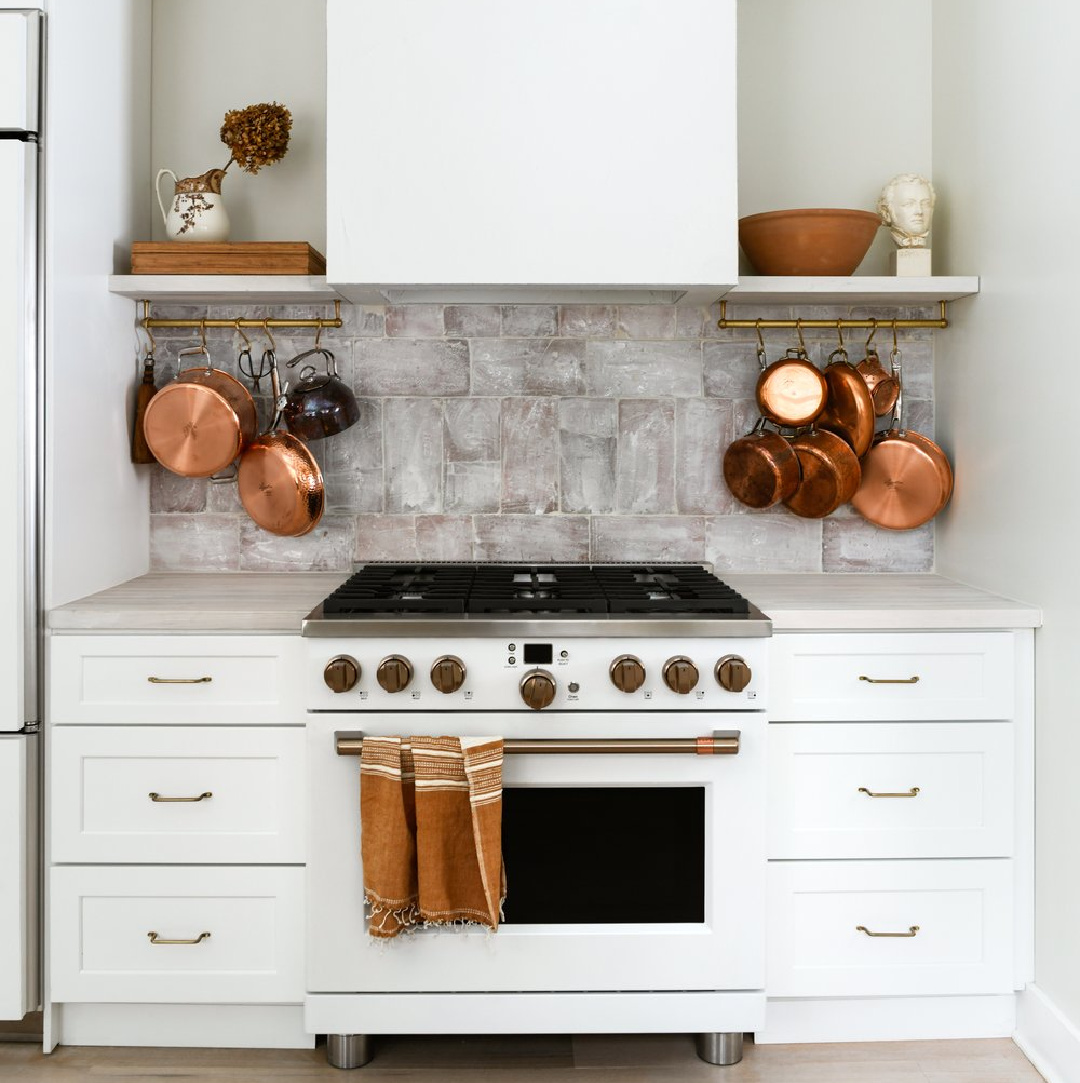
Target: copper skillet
x=198, y=424
x=849, y=409
x=790, y=391
x=280, y=483
x=906, y=478
x=760, y=468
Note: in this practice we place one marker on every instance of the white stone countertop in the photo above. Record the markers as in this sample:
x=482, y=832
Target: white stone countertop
x=276, y=602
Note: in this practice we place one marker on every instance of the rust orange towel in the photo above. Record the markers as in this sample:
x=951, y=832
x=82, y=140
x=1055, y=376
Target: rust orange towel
x=431, y=831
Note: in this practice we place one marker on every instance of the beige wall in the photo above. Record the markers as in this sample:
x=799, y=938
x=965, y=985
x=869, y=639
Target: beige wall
x=1007, y=174
x=210, y=56
x=834, y=99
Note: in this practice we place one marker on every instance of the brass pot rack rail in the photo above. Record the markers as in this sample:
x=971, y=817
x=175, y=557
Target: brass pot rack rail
x=840, y=324
x=319, y=322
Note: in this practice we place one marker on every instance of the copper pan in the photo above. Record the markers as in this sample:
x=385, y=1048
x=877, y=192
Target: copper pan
x=830, y=474
x=849, y=410
x=198, y=424
x=790, y=391
x=906, y=479
x=760, y=468
x=280, y=483
x=883, y=386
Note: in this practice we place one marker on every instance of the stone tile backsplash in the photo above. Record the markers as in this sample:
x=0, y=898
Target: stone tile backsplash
x=537, y=432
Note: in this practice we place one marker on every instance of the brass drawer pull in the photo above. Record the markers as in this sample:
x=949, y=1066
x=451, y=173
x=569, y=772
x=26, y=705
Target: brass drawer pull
x=890, y=680
x=912, y=931
x=158, y=799
x=155, y=939
x=186, y=680
x=913, y=792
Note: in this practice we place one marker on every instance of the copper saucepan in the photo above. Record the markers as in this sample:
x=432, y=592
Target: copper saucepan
x=760, y=468
x=280, y=483
x=883, y=386
x=830, y=474
x=906, y=478
x=849, y=409
x=790, y=391
x=199, y=423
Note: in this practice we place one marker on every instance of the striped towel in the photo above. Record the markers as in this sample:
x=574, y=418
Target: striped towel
x=431, y=832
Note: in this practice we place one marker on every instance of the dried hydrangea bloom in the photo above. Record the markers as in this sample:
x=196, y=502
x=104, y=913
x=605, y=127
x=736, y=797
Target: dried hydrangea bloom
x=257, y=135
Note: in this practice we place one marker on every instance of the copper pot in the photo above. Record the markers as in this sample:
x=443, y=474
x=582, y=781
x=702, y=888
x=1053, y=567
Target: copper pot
x=849, y=409
x=321, y=404
x=760, y=468
x=882, y=385
x=199, y=423
x=830, y=474
x=790, y=391
x=280, y=483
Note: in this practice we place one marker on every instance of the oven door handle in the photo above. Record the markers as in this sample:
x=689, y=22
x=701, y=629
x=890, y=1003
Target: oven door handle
x=720, y=743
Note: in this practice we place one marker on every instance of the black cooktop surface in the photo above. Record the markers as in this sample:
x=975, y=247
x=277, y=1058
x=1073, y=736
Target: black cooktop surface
x=535, y=590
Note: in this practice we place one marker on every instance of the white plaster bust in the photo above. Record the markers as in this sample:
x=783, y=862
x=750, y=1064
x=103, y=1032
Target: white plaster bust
x=906, y=206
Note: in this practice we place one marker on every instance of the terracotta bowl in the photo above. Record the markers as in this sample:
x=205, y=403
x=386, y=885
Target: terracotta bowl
x=817, y=241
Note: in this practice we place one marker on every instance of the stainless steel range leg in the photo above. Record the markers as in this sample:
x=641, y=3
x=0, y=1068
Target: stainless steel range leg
x=348, y=1050
x=721, y=1047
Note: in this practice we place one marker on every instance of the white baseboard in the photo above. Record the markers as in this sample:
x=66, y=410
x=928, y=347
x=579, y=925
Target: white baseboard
x=887, y=1019
x=211, y=1026
x=1047, y=1038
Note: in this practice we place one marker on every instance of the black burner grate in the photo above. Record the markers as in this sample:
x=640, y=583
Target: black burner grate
x=523, y=589
x=403, y=588
x=668, y=589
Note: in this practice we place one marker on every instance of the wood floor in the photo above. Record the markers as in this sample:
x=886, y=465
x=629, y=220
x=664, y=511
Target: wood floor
x=537, y=1059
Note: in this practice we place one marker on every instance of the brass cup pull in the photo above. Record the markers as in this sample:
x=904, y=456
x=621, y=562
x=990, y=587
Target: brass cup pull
x=913, y=930
x=890, y=680
x=179, y=680
x=913, y=792
x=158, y=799
x=155, y=939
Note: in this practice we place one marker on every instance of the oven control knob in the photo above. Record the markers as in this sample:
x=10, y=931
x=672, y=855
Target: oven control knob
x=680, y=674
x=538, y=689
x=733, y=673
x=627, y=673
x=341, y=673
x=394, y=673
x=448, y=673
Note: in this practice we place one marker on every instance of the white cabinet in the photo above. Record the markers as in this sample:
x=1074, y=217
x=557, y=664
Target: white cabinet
x=18, y=876
x=574, y=150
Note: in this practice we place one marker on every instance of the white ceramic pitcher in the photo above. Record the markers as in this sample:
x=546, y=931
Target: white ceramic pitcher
x=197, y=212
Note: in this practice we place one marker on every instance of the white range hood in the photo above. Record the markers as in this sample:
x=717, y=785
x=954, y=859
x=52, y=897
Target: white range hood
x=553, y=151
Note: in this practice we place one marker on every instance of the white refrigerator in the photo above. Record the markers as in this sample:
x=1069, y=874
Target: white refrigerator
x=21, y=34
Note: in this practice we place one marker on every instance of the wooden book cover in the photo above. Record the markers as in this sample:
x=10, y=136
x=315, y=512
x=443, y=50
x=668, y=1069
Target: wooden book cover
x=226, y=258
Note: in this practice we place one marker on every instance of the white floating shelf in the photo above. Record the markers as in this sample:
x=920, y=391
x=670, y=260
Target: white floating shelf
x=225, y=289
x=858, y=290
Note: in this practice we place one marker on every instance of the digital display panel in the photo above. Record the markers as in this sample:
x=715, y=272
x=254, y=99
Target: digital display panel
x=538, y=654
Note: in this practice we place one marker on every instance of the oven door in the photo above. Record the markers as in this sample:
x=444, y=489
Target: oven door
x=626, y=871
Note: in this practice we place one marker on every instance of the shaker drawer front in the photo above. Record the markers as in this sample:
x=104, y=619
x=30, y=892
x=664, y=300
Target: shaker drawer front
x=891, y=790
x=907, y=676
x=103, y=950
x=175, y=679
x=177, y=794
x=939, y=927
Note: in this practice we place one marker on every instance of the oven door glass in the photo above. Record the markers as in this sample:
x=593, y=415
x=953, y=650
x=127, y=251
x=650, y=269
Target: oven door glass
x=624, y=871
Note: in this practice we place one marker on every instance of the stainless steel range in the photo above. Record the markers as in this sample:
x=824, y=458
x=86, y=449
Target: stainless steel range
x=632, y=703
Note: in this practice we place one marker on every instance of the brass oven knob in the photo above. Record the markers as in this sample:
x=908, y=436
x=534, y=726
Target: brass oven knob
x=733, y=673
x=627, y=673
x=448, y=673
x=341, y=673
x=680, y=674
x=538, y=689
x=394, y=673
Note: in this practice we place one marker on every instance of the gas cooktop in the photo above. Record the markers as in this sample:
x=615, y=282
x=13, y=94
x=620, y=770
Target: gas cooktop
x=477, y=598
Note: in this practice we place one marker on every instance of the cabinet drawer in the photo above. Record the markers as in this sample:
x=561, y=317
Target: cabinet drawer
x=962, y=911
x=177, y=793
x=235, y=680
x=101, y=919
x=832, y=790
x=893, y=677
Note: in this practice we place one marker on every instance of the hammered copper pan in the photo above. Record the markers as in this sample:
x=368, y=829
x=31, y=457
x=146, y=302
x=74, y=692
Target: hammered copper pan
x=199, y=423
x=280, y=483
x=849, y=409
x=760, y=468
x=830, y=474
